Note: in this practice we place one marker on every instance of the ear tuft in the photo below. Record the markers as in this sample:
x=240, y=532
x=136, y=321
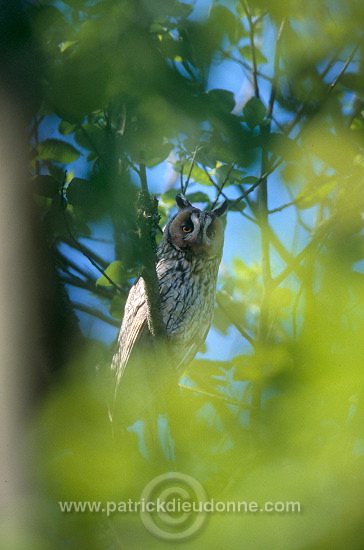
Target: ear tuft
x=182, y=202
x=221, y=209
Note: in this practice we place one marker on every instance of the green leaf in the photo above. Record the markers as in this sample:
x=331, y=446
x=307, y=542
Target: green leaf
x=116, y=308
x=57, y=150
x=65, y=128
x=234, y=174
x=259, y=57
x=92, y=138
x=353, y=81
x=64, y=46
x=45, y=186
x=282, y=145
x=199, y=176
x=248, y=179
x=222, y=100
x=316, y=191
x=78, y=192
x=198, y=197
x=158, y=155
x=254, y=112
x=169, y=197
x=237, y=207
x=116, y=272
x=223, y=21
x=58, y=172
x=246, y=368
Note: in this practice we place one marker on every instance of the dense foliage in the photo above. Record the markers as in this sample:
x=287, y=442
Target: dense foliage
x=127, y=84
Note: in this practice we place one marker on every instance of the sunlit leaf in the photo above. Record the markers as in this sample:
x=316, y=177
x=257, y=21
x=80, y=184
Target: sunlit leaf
x=169, y=197
x=248, y=179
x=57, y=150
x=198, y=196
x=66, y=45
x=230, y=176
x=116, y=306
x=245, y=52
x=117, y=273
x=65, y=128
x=237, y=206
x=200, y=176
x=316, y=191
x=282, y=145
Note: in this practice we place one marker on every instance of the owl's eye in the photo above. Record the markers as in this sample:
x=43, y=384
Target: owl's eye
x=211, y=233
x=187, y=228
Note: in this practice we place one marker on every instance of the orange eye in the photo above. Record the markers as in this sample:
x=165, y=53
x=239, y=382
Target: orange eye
x=186, y=228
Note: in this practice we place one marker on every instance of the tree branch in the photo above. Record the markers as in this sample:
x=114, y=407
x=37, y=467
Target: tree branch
x=148, y=218
x=77, y=282
x=258, y=182
x=219, y=188
x=277, y=55
x=190, y=171
x=346, y=65
x=96, y=313
x=252, y=49
x=247, y=66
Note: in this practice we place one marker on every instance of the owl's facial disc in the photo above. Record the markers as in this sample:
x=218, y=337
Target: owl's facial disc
x=201, y=232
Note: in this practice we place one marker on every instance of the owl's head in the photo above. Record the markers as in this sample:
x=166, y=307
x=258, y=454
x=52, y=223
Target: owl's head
x=197, y=231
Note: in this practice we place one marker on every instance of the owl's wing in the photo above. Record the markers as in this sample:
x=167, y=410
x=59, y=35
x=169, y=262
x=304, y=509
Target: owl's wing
x=133, y=327
x=193, y=348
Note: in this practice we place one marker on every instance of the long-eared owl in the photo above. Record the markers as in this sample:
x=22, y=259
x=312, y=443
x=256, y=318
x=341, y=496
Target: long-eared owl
x=189, y=256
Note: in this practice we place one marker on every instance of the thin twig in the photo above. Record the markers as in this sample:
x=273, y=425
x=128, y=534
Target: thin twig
x=283, y=252
x=280, y=208
x=189, y=70
x=346, y=65
x=80, y=247
x=218, y=396
x=77, y=282
x=250, y=218
x=330, y=88
x=181, y=177
x=91, y=253
x=220, y=187
x=248, y=67
x=190, y=170
x=223, y=300
x=96, y=313
x=66, y=263
x=261, y=16
x=258, y=182
x=277, y=56
x=252, y=49
x=295, y=262
x=132, y=166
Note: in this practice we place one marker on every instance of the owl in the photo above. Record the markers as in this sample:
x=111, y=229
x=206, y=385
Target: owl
x=189, y=256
